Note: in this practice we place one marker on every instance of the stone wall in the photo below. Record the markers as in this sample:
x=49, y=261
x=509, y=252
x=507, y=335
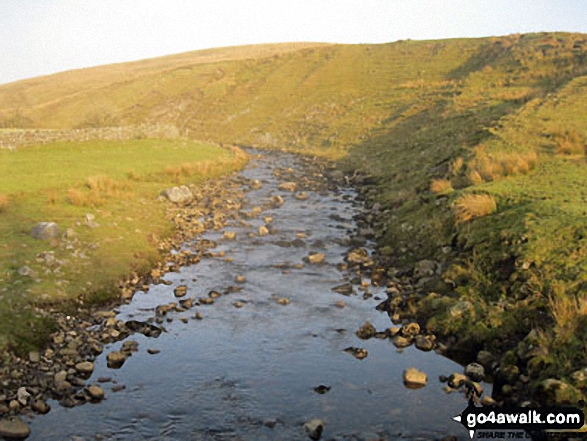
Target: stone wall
x=12, y=139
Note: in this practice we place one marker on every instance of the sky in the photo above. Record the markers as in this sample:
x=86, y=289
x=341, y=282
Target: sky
x=39, y=37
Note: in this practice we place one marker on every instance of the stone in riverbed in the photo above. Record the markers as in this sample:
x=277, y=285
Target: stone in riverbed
x=316, y=258
x=288, y=186
x=40, y=407
x=115, y=359
x=424, y=343
x=263, y=230
x=187, y=303
x=14, y=428
x=414, y=378
x=229, y=235
x=180, y=291
x=178, y=195
x=23, y=396
x=85, y=367
x=401, y=342
x=255, y=184
x=314, y=428
x=410, y=330
x=346, y=289
x=475, y=372
x=205, y=301
x=60, y=376
x=283, y=301
x=358, y=353
x=456, y=380
x=276, y=201
x=96, y=393
x=366, y=331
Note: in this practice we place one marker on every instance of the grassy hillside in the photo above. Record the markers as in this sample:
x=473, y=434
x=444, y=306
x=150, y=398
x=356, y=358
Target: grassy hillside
x=116, y=182
x=474, y=151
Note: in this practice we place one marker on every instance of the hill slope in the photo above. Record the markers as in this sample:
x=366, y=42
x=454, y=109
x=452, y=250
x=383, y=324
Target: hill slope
x=474, y=151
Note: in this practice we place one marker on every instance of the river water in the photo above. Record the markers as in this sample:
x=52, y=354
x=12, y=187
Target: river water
x=249, y=373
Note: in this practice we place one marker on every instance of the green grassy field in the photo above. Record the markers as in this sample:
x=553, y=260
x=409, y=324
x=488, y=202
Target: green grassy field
x=118, y=183
x=475, y=146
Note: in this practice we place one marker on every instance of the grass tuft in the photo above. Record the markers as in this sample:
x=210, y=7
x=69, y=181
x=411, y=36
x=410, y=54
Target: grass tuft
x=4, y=202
x=472, y=206
x=441, y=186
x=569, y=143
x=568, y=311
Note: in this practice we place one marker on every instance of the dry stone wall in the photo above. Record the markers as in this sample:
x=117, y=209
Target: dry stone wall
x=13, y=139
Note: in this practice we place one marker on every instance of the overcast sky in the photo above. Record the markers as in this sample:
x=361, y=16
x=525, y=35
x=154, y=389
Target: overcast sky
x=38, y=37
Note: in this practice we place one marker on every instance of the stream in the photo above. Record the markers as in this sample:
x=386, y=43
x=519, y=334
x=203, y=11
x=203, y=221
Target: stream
x=249, y=372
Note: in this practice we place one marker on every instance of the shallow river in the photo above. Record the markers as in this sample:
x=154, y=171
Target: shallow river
x=249, y=373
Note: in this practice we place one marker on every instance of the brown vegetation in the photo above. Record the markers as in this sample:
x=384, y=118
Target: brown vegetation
x=4, y=202
x=441, y=186
x=472, y=206
x=496, y=165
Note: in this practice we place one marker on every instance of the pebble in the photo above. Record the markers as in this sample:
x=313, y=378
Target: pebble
x=40, y=407
x=475, y=371
x=414, y=378
x=153, y=351
x=366, y=331
x=14, y=428
x=180, y=291
x=401, y=342
x=358, y=353
x=316, y=258
x=424, y=343
x=96, y=393
x=314, y=428
x=238, y=304
x=115, y=359
x=229, y=235
x=85, y=367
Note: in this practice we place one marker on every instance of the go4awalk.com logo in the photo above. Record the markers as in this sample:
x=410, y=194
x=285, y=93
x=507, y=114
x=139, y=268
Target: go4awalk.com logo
x=520, y=418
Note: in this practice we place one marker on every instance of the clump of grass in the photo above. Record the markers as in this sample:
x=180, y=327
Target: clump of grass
x=441, y=186
x=4, y=202
x=133, y=175
x=472, y=206
x=456, y=166
x=569, y=143
x=568, y=311
x=104, y=184
x=474, y=177
x=494, y=166
x=76, y=197
x=51, y=197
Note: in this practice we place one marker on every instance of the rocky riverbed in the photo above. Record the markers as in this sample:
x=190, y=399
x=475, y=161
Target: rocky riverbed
x=267, y=319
